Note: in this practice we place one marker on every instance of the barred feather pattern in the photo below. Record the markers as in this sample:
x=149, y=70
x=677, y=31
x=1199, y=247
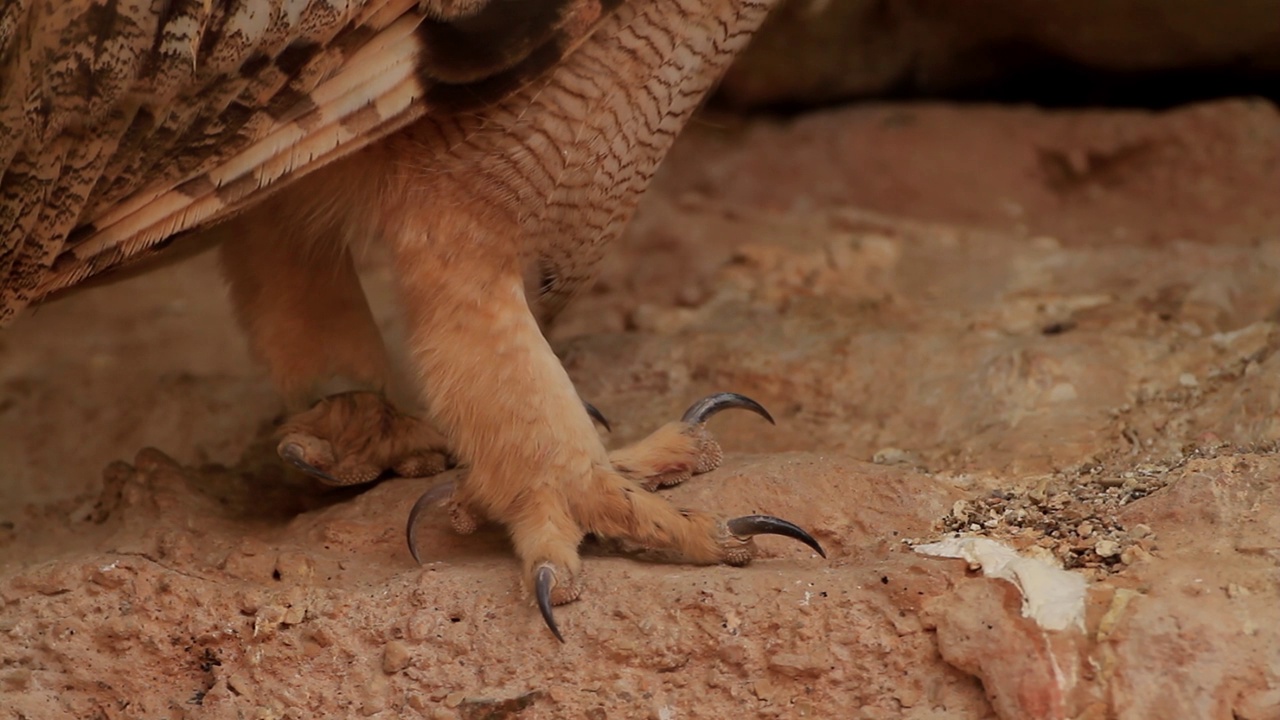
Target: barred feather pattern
x=570, y=155
x=126, y=124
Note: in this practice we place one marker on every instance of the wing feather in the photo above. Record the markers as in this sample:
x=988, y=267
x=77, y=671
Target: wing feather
x=125, y=124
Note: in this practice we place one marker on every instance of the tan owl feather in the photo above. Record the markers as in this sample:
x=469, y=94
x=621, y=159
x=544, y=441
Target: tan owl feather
x=121, y=127
x=483, y=142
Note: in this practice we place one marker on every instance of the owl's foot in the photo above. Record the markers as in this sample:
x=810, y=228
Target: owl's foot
x=356, y=437
x=551, y=518
x=672, y=454
x=638, y=521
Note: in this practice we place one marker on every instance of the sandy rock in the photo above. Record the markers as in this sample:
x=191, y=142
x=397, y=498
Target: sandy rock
x=1028, y=672
x=1000, y=306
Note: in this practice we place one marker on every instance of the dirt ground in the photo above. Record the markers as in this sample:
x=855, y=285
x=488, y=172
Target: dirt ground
x=1055, y=330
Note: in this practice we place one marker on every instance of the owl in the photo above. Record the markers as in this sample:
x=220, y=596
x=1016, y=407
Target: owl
x=491, y=147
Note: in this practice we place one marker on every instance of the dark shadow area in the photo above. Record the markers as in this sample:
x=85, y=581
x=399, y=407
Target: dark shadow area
x=1020, y=73
x=1057, y=83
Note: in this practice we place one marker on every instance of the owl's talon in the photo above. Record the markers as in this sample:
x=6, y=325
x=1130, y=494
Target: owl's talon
x=751, y=525
x=597, y=416
x=702, y=410
x=544, y=581
x=428, y=498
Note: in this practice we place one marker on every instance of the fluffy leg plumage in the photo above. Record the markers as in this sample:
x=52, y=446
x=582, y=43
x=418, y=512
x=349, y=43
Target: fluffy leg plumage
x=295, y=292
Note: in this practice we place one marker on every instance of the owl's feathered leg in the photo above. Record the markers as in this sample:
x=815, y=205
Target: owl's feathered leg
x=296, y=294
x=536, y=463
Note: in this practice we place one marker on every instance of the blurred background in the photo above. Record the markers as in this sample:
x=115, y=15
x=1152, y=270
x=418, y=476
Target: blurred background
x=1132, y=53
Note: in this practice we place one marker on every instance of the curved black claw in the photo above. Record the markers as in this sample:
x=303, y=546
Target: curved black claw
x=542, y=585
x=769, y=525
x=428, y=498
x=597, y=416
x=292, y=454
x=702, y=410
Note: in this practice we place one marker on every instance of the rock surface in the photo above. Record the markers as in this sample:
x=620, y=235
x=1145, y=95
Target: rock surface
x=1084, y=51
x=1054, y=330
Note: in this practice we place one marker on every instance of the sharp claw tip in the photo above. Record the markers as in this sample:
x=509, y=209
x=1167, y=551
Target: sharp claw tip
x=768, y=525
x=411, y=534
x=411, y=537
x=424, y=501
x=702, y=410
x=598, y=416
x=543, y=582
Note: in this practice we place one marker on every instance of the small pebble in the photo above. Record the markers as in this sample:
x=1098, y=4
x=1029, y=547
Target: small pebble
x=294, y=567
x=1134, y=554
x=395, y=657
x=1237, y=591
x=796, y=665
x=1107, y=548
x=894, y=456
